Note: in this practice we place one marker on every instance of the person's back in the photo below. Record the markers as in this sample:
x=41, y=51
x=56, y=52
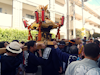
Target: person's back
x=51, y=62
x=9, y=64
x=68, y=58
x=11, y=59
x=87, y=66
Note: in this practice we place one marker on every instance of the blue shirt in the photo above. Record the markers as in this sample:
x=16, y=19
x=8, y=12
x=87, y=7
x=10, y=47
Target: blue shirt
x=51, y=65
x=33, y=62
x=9, y=64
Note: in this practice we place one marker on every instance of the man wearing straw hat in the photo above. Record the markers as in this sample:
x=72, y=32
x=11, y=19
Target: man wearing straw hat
x=11, y=59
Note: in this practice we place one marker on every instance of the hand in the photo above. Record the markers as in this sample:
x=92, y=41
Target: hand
x=21, y=46
x=60, y=70
x=40, y=52
x=54, y=43
x=55, y=46
x=43, y=46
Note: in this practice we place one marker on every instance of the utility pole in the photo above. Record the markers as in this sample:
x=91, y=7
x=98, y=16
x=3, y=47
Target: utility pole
x=74, y=25
x=83, y=20
x=83, y=13
x=68, y=19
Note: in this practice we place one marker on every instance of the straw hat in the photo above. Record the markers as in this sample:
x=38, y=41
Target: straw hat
x=14, y=47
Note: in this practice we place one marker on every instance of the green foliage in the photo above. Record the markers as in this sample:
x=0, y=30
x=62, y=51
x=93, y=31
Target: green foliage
x=79, y=32
x=12, y=34
x=87, y=34
x=53, y=36
x=15, y=34
x=95, y=35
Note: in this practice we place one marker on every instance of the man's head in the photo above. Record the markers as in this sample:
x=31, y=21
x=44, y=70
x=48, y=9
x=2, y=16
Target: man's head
x=73, y=50
x=16, y=41
x=61, y=44
x=71, y=42
x=13, y=49
x=3, y=44
x=91, y=50
x=85, y=38
x=22, y=42
x=31, y=45
x=96, y=42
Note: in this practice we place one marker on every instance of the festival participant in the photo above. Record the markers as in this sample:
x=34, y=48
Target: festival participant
x=84, y=40
x=68, y=58
x=11, y=59
x=62, y=47
x=51, y=62
x=96, y=42
x=31, y=61
x=71, y=43
x=22, y=42
x=3, y=44
x=80, y=49
x=87, y=66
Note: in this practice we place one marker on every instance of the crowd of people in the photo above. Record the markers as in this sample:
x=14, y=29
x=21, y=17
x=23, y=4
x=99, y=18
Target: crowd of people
x=80, y=58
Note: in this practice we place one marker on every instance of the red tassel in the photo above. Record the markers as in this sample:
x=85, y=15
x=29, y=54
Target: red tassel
x=29, y=35
x=39, y=34
x=62, y=20
x=37, y=17
x=25, y=23
x=43, y=15
x=59, y=36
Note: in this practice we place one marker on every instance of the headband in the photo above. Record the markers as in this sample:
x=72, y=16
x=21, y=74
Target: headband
x=71, y=42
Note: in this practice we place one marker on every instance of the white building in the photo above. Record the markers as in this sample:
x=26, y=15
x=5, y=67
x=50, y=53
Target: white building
x=12, y=12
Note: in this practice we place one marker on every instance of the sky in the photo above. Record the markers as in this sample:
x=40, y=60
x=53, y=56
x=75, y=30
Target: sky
x=94, y=5
x=94, y=2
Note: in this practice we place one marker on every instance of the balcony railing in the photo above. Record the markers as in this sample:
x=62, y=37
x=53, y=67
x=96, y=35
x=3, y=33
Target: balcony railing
x=5, y=20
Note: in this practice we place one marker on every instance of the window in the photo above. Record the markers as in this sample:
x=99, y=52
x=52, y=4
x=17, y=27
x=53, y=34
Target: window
x=71, y=18
x=0, y=9
x=56, y=22
x=29, y=16
x=71, y=32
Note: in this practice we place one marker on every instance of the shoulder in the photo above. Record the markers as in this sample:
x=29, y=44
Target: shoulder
x=94, y=71
x=74, y=64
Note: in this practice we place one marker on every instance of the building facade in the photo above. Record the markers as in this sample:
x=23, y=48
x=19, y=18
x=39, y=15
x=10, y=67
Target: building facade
x=12, y=12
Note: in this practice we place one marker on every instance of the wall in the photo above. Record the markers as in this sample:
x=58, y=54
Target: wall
x=6, y=8
x=27, y=12
x=5, y=20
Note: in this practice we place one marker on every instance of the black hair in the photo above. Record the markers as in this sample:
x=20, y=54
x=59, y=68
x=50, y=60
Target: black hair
x=52, y=39
x=70, y=44
x=85, y=37
x=22, y=42
x=97, y=42
x=8, y=51
x=2, y=44
x=16, y=41
x=30, y=44
x=73, y=50
x=25, y=43
x=91, y=50
x=62, y=42
x=7, y=42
